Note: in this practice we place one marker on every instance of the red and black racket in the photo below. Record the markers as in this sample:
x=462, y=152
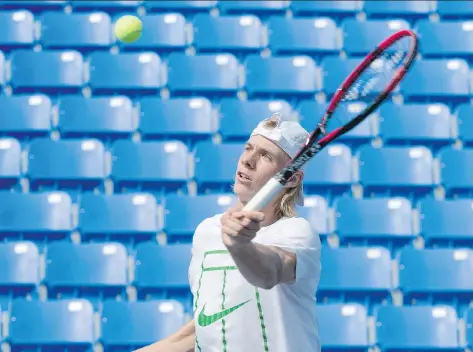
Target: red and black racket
x=371, y=82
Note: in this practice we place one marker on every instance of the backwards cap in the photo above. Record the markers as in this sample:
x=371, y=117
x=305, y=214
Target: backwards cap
x=288, y=135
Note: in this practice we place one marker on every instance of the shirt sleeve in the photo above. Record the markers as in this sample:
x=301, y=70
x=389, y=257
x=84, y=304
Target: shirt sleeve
x=296, y=235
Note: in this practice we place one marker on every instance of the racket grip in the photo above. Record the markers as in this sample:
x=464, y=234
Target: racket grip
x=264, y=196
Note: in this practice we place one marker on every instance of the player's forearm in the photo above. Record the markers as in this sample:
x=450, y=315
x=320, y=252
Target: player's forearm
x=262, y=266
x=186, y=331
x=181, y=341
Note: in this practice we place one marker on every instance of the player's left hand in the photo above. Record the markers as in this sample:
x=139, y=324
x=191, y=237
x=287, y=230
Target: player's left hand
x=240, y=227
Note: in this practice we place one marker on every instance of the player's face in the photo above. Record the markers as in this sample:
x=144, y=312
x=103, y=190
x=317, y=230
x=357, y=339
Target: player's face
x=260, y=160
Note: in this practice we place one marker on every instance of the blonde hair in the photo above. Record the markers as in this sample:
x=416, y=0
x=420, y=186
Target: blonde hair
x=286, y=206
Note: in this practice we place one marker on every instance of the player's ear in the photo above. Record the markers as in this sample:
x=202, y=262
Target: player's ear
x=295, y=180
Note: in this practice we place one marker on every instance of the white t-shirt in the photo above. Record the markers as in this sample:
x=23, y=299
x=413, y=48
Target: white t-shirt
x=232, y=315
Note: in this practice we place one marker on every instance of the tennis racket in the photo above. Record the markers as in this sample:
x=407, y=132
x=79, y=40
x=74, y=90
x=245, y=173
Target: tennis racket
x=371, y=82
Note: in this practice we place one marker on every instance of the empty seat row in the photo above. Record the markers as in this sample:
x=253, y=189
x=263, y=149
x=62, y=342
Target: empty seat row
x=110, y=118
x=100, y=272
x=133, y=218
x=163, y=166
x=96, y=272
x=344, y=327
x=69, y=323
x=407, y=9
x=231, y=34
x=64, y=71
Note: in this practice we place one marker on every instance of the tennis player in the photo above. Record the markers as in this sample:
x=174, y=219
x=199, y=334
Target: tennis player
x=254, y=275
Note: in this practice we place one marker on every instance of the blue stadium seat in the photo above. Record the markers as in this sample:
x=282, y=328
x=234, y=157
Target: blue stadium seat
x=16, y=30
x=330, y=174
x=315, y=211
x=258, y=7
x=38, y=217
x=25, y=116
x=186, y=119
x=446, y=222
x=263, y=76
x=215, y=166
x=127, y=326
x=359, y=38
x=423, y=328
x=310, y=111
x=412, y=124
x=2, y=69
x=344, y=327
x=162, y=272
x=19, y=276
x=186, y=7
x=150, y=166
x=361, y=275
x=34, y=5
x=47, y=71
x=455, y=182
x=469, y=327
x=10, y=163
x=73, y=165
x=411, y=10
x=161, y=33
x=128, y=73
x=125, y=218
x=94, y=271
x=436, y=43
x=464, y=114
x=379, y=171
x=84, y=32
x=436, y=277
x=437, y=79
x=182, y=214
x=320, y=36
x=238, y=118
x=231, y=34
x=335, y=9
x=106, y=5
x=389, y=225
x=64, y=324
x=454, y=9
x=103, y=118
x=212, y=74
x=334, y=71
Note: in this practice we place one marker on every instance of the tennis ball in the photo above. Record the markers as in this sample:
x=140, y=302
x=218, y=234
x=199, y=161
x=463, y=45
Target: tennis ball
x=128, y=29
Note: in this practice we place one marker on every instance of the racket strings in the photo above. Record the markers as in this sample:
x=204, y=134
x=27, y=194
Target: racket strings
x=378, y=74
x=370, y=83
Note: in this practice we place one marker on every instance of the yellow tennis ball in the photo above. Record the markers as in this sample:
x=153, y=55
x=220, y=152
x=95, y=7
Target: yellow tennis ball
x=128, y=29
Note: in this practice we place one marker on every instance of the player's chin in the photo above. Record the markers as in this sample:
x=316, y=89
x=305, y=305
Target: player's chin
x=242, y=191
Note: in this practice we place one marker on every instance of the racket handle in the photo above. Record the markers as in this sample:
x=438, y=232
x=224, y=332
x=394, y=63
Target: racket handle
x=264, y=196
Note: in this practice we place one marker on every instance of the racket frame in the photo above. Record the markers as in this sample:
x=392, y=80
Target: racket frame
x=313, y=144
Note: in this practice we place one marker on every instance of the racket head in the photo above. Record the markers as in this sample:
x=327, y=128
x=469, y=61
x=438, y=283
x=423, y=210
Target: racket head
x=371, y=82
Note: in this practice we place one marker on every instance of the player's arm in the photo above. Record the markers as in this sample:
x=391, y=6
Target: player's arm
x=262, y=265
x=181, y=341
x=283, y=260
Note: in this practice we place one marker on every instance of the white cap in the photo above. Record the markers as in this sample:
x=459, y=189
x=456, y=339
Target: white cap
x=288, y=134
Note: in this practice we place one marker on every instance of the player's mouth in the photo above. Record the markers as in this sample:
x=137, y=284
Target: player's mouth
x=242, y=177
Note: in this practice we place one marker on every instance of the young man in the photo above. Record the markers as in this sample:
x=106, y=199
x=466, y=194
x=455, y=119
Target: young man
x=254, y=275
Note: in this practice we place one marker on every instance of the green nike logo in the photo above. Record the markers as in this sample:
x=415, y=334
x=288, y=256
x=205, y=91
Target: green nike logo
x=206, y=320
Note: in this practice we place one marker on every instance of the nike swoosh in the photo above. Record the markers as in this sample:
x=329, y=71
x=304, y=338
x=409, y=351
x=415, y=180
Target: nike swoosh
x=206, y=320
